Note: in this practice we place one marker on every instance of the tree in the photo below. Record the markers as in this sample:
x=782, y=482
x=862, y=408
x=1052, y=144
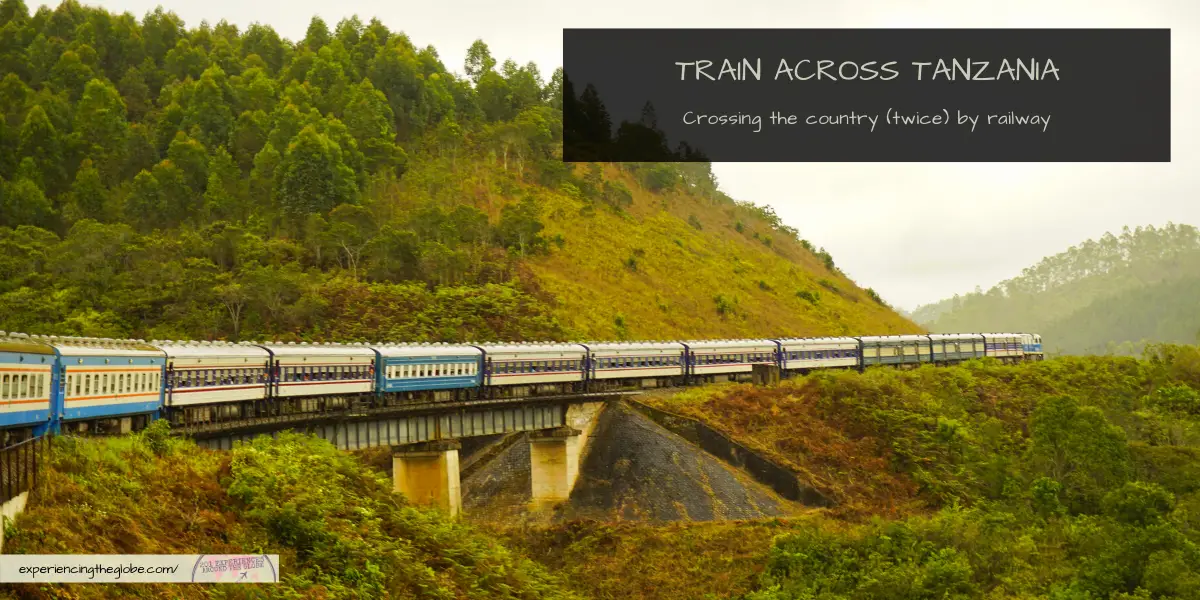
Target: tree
x=317, y=35
x=1078, y=447
x=191, y=158
x=351, y=229
x=40, y=142
x=234, y=297
x=23, y=203
x=208, y=115
x=369, y=118
x=222, y=196
x=520, y=226
x=479, y=61
x=101, y=126
x=143, y=206
x=312, y=178
x=263, y=175
x=88, y=194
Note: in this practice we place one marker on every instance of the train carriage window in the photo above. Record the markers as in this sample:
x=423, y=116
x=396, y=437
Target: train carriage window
x=4, y=391
x=23, y=388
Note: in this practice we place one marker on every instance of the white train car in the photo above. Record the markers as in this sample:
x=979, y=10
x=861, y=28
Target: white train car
x=818, y=353
x=953, y=347
x=107, y=380
x=26, y=385
x=336, y=370
x=1005, y=346
x=728, y=357
x=895, y=350
x=414, y=368
x=213, y=378
x=1033, y=346
x=616, y=361
x=533, y=364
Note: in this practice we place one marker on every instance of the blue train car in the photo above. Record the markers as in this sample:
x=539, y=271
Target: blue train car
x=1032, y=344
x=26, y=384
x=106, y=382
x=411, y=368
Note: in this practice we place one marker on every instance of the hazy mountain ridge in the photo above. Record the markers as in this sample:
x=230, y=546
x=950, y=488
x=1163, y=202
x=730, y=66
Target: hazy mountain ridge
x=1108, y=294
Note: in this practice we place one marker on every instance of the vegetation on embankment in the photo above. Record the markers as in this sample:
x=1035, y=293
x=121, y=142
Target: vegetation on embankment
x=162, y=182
x=1075, y=478
x=338, y=528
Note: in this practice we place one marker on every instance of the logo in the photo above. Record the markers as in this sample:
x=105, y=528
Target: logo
x=235, y=568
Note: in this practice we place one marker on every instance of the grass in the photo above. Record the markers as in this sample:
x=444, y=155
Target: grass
x=338, y=528
x=685, y=275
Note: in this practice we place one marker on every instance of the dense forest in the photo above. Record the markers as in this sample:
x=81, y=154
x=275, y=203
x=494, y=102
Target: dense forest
x=1114, y=294
x=163, y=182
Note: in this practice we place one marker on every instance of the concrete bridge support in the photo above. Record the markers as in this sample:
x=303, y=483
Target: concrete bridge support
x=427, y=474
x=554, y=465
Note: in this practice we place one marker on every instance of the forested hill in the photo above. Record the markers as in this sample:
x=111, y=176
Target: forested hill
x=1108, y=295
x=163, y=182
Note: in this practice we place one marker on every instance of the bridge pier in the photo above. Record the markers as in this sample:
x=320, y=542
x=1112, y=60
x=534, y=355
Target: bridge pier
x=427, y=474
x=554, y=464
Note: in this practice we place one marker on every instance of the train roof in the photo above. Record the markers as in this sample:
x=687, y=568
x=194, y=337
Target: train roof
x=894, y=338
x=307, y=349
x=728, y=343
x=92, y=346
x=226, y=349
x=819, y=340
x=996, y=335
x=634, y=345
x=955, y=336
x=440, y=349
x=532, y=347
x=23, y=343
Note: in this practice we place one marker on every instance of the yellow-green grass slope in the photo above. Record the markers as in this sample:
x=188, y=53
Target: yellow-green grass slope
x=650, y=273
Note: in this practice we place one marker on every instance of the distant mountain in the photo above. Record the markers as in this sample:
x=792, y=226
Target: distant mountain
x=1107, y=295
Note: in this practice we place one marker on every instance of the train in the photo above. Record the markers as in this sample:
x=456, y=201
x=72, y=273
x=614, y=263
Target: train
x=62, y=384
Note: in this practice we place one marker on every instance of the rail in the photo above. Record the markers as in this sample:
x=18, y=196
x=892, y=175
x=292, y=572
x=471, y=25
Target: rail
x=20, y=465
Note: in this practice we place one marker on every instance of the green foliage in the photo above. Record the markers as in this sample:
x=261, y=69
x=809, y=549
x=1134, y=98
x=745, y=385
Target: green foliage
x=337, y=525
x=893, y=564
x=235, y=180
x=352, y=536
x=1078, y=446
x=1042, y=478
x=809, y=296
x=1138, y=503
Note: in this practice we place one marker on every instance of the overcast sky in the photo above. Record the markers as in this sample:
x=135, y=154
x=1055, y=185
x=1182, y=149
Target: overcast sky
x=893, y=227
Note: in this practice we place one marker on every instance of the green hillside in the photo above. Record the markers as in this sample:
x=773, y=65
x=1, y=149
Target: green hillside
x=349, y=537
x=160, y=181
x=1112, y=294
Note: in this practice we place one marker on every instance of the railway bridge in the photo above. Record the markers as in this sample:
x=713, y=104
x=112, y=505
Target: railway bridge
x=426, y=438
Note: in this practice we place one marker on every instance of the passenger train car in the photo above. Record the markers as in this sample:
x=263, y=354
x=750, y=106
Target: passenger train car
x=52, y=383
